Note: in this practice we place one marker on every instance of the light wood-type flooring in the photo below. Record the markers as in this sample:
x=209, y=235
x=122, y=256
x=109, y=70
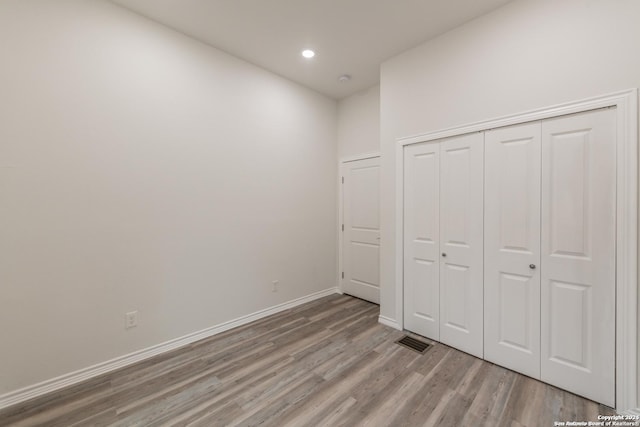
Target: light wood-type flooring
x=325, y=363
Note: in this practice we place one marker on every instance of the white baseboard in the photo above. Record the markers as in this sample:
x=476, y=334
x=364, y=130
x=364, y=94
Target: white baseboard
x=66, y=380
x=389, y=322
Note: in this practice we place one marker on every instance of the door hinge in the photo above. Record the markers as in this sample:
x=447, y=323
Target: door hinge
x=342, y=227
x=343, y=179
x=343, y=274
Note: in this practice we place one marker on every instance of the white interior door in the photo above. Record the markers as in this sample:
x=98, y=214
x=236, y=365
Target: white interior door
x=461, y=242
x=421, y=239
x=512, y=248
x=361, y=235
x=578, y=254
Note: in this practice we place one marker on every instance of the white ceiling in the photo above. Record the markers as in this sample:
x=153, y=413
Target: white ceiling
x=349, y=36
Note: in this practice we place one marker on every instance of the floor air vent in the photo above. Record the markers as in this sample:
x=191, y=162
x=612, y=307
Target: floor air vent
x=413, y=344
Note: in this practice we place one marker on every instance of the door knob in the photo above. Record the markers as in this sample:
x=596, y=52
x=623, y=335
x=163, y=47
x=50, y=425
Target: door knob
x=532, y=266
x=443, y=254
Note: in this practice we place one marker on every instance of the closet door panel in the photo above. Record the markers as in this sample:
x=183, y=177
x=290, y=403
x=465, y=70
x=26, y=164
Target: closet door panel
x=461, y=242
x=578, y=254
x=421, y=239
x=512, y=248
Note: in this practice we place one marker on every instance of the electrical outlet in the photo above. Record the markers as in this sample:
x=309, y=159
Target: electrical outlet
x=275, y=286
x=131, y=320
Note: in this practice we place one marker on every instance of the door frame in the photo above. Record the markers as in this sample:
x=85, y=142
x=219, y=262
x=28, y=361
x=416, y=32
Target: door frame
x=626, y=103
x=341, y=162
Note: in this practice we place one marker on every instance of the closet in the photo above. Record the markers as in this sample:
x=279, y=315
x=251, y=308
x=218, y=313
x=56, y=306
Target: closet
x=510, y=248
x=443, y=241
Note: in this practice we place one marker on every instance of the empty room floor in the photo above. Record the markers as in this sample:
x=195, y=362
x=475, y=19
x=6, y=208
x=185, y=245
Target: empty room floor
x=325, y=363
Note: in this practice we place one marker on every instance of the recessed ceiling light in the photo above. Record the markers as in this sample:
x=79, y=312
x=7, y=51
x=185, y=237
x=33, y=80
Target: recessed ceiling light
x=308, y=53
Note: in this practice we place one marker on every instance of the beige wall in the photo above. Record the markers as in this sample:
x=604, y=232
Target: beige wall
x=141, y=170
x=359, y=123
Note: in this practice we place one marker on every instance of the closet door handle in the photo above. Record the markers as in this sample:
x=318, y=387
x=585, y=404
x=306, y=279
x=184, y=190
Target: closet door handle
x=532, y=266
x=444, y=254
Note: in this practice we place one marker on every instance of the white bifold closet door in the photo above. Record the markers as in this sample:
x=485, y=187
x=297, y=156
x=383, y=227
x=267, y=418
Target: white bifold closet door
x=578, y=254
x=443, y=271
x=512, y=248
x=422, y=239
x=550, y=219
x=461, y=237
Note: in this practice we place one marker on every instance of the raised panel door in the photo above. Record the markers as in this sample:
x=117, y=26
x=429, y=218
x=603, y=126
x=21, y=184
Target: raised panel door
x=461, y=242
x=512, y=248
x=421, y=239
x=361, y=238
x=578, y=254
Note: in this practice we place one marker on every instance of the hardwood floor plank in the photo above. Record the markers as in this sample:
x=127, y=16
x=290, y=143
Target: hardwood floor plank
x=330, y=394
x=269, y=414
x=502, y=395
x=521, y=394
x=98, y=419
x=71, y=406
x=216, y=404
x=438, y=410
x=386, y=407
x=454, y=411
x=417, y=408
x=158, y=409
x=391, y=366
x=352, y=352
x=325, y=363
x=343, y=319
x=220, y=416
x=470, y=382
x=131, y=399
x=152, y=368
x=334, y=415
x=533, y=395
